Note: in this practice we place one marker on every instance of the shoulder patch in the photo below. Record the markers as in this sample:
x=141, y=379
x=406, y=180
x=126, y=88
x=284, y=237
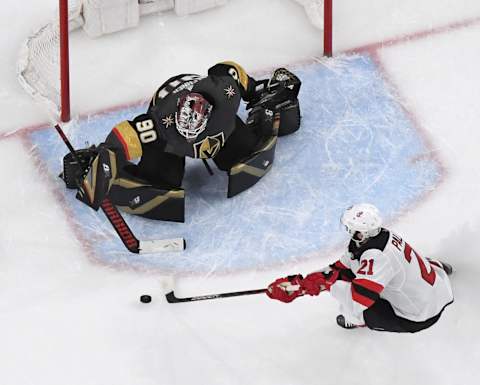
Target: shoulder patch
x=128, y=137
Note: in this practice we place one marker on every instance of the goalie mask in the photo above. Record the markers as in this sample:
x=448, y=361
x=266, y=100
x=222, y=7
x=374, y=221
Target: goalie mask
x=192, y=115
x=362, y=221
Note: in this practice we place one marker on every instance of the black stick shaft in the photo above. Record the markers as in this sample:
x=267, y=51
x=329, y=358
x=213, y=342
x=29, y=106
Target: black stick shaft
x=207, y=166
x=67, y=142
x=171, y=298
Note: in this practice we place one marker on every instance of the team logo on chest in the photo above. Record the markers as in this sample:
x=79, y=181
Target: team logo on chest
x=208, y=147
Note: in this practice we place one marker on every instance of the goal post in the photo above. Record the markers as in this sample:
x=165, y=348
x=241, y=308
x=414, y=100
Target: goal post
x=43, y=67
x=64, y=62
x=327, y=28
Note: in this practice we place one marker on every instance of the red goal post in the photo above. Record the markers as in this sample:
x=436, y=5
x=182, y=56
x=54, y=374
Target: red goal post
x=327, y=27
x=43, y=67
x=64, y=62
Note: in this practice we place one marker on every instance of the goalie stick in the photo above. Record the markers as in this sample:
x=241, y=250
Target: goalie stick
x=126, y=235
x=171, y=298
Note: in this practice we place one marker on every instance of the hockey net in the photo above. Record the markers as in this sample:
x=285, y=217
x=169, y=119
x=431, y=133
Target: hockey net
x=43, y=69
x=38, y=67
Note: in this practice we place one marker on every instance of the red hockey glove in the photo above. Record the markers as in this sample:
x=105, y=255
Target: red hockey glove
x=286, y=289
x=315, y=283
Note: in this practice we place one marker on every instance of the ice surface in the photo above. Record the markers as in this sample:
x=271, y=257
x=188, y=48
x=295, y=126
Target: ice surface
x=355, y=144
x=68, y=318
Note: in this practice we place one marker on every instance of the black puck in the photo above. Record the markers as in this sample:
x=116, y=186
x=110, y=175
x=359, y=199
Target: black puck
x=145, y=298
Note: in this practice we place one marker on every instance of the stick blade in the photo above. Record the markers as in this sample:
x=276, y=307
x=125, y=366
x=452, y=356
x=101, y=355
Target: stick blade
x=171, y=297
x=162, y=245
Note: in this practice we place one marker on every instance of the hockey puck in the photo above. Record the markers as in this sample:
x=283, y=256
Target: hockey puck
x=145, y=298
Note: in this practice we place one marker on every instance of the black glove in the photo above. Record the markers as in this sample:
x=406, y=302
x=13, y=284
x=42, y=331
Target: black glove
x=282, y=87
x=74, y=172
x=261, y=120
x=97, y=180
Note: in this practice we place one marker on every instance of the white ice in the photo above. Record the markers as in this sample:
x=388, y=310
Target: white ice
x=65, y=319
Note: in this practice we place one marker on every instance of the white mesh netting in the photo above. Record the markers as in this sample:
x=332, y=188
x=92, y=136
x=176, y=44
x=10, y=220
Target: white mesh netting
x=38, y=67
x=314, y=10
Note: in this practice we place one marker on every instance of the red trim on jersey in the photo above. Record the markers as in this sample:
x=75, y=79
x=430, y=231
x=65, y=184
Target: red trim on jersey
x=370, y=285
x=362, y=300
x=122, y=141
x=340, y=265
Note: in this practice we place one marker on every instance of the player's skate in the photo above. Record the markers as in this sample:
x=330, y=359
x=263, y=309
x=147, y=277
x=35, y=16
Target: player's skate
x=447, y=267
x=342, y=322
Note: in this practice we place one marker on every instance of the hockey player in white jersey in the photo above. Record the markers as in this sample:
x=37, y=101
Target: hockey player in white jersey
x=380, y=282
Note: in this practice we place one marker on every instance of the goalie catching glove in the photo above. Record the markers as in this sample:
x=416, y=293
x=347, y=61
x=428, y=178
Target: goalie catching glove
x=288, y=288
x=278, y=95
x=282, y=86
x=74, y=171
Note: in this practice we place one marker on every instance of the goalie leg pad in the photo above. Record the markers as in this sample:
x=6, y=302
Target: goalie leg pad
x=289, y=117
x=241, y=144
x=99, y=178
x=135, y=197
x=245, y=174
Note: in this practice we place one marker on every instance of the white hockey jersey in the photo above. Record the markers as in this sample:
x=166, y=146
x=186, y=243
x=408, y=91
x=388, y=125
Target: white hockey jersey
x=388, y=267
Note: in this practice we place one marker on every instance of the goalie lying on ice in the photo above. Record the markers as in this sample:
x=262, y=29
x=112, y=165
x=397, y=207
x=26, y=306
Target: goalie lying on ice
x=194, y=116
x=380, y=281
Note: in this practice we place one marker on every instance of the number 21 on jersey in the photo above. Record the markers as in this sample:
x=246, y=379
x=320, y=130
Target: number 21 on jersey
x=366, y=267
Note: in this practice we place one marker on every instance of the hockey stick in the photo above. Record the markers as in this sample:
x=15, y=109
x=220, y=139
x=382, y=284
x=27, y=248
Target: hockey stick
x=126, y=235
x=207, y=166
x=171, y=298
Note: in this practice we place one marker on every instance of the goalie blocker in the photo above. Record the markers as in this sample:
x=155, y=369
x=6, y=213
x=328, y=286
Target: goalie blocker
x=275, y=112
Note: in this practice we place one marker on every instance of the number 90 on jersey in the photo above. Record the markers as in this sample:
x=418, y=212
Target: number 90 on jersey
x=146, y=131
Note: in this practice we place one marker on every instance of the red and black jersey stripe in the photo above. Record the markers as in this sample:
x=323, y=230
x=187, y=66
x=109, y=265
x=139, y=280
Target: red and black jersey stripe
x=365, y=292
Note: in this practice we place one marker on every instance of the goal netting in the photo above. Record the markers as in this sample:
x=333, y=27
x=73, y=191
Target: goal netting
x=38, y=67
x=43, y=68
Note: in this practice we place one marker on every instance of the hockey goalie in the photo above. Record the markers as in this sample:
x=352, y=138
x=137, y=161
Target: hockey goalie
x=188, y=116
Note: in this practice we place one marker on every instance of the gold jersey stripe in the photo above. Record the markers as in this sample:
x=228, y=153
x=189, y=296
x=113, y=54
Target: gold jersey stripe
x=127, y=135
